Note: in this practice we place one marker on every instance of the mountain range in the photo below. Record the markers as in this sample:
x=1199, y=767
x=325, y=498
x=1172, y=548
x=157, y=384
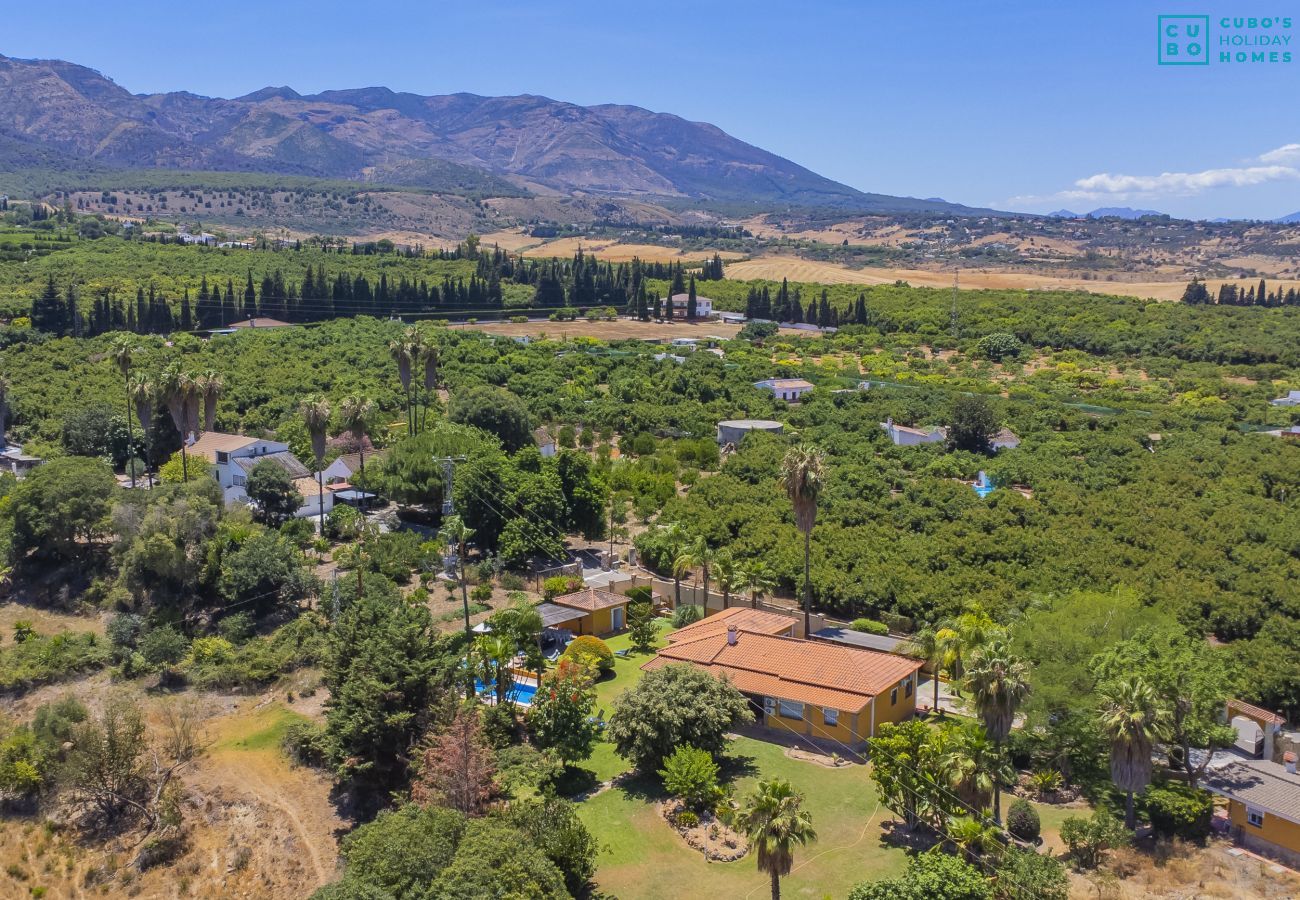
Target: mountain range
x=56, y=113
x=1106, y=212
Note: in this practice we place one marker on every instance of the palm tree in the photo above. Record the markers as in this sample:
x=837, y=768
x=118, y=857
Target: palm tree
x=927, y=645
x=960, y=637
x=210, y=388
x=178, y=392
x=675, y=538
x=456, y=533
x=695, y=555
x=401, y=351
x=428, y=360
x=759, y=581
x=970, y=763
x=496, y=652
x=316, y=414
x=730, y=576
x=802, y=472
x=356, y=412
x=123, y=352
x=999, y=684
x=141, y=392
x=774, y=822
x=4, y=408
x=1133, y=720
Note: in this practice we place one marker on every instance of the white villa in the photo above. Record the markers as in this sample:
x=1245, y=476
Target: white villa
x=232, y=456
x=903, y=436
x=703, y=305
x=790, y=390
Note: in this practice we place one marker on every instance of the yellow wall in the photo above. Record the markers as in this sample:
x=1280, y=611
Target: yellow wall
x=813, y=724
x=600, y=622
x=1275, y=830
x=903, y=709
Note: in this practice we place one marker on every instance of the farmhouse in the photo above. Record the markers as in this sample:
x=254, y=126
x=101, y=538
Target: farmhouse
x=545, y=442
x=819, y=690
x=903, y=436
x=588, y=611
x=703, y=305
x=1292, y=398
x=230, y=457
x=260, y=322
x=787, y=389
x=1005, y=439
x=1263, y=803
x=14, y=461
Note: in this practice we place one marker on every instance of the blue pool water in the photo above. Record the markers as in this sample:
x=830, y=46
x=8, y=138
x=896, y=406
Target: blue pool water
x=518, y=693
x=984, y=489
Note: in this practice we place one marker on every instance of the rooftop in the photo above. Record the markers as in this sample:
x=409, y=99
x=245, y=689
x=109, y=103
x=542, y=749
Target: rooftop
x=740, y=617
x=590, y=600
x=1259, y=783
x=260, y=322
x=283, y=458
x=882, y=642
x=210, y=442
x=553, y=615
x=813, y=672
x=789, y=383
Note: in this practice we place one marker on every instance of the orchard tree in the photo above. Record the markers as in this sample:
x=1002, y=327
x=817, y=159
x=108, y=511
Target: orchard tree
x=672, y=706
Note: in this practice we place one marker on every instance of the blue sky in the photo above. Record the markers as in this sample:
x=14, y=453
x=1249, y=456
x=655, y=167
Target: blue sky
x=1029, y=106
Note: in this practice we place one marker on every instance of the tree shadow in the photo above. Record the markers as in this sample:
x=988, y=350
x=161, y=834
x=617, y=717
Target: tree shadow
x=733, y=766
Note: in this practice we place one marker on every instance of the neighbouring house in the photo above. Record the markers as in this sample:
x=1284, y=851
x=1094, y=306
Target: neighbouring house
x=347, y=466
x=1263, y=803
x=733, y=431
x=545, y=442
x=905, y=436
x=260, y=322
x=822, y=691
x=1291, y=432
x=660, y=357
x=1292, y=398
x=732, y=318
x=15, y=462
x=230, y=457
x=703, y=305
x=1005, y=439
x=686, y=343
x=591, y=611
x=788, y=389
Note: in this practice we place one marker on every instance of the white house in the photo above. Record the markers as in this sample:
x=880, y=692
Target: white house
x=1292, y=398
x=545, y=442
x=14, y=461
x=348, y=465
x=703, y=305
x=903, y=436
x=1005, y=439
x=686, y=343
x=660, y=357
x=787, y=389
x=232, y=456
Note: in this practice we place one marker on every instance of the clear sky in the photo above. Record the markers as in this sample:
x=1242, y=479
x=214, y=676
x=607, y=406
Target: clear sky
x=1015, y=105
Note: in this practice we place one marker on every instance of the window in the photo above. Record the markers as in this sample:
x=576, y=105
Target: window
x=790, y=710
x=223, y=456
x=893, y=697
x=831, y=717
x=907, y=687
x=240, y=481
x=1255, y=817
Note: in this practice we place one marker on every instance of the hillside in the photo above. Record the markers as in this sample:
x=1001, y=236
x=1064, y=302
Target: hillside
x=56, y=114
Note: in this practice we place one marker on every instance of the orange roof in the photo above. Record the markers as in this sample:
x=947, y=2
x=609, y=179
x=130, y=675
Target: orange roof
x=1255, y=712
x=741, y=618
x=813, y=672
x=590, y=600
x=212, y=441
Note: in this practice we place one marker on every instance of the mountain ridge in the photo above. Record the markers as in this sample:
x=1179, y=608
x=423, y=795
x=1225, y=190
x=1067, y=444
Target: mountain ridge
x=378, y=134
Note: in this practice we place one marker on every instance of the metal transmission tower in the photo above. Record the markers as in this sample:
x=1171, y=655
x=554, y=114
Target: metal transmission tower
x=450, y=560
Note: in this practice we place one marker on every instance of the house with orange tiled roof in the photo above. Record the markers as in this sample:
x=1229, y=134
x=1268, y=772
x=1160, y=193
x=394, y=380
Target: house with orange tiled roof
x=742, y=618
x=822, y=691
x=599, y=612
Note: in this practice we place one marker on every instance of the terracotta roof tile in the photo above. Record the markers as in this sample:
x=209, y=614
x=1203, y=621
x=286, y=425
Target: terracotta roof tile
x=590, y=599
x=212, y=441
x=742, y=618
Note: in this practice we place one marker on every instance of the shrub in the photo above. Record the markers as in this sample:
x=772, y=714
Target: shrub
x=692, y=775
x=1046, y=781
x=687, y=819
x=671, y=707
x=592, y=652
x=307, y=743
x=685, y=615
x=1022, y=821
x=343, y=523
x=43, y=659
x=998, y=346
x=481, y=593
x=237, y=628
x=869, y=626
x=642, y=594
x=1024, y=873
x=559, y=585
x=512, y=582
x=1179, y=810
x=163, y=646
x=1088, y=839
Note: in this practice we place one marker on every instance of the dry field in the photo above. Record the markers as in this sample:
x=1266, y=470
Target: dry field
x=774, y=268
x=620, y=330
x=614, y=251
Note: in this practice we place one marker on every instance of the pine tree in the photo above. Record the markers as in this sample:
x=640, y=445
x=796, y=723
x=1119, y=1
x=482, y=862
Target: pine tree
x=692, y=305
x=250, y=298
x=187, y=319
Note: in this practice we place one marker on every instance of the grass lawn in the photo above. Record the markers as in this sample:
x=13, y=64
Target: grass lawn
x=642, y=858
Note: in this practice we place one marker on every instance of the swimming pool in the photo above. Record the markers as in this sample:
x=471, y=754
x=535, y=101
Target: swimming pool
x=984, y=489
x=519, y=692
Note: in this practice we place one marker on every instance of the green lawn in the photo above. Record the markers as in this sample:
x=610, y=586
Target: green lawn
x=644, y=859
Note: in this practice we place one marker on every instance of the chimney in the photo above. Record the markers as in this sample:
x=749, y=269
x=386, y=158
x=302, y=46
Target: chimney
x=889, y=422
x=1288, y=759
x=731, y=641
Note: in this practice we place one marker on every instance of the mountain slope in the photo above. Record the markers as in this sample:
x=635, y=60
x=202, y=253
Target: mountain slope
x=73, y=112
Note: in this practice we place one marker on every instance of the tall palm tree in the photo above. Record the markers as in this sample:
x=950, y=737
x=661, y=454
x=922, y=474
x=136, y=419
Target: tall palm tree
x=927, y=645
x=178, y=393
x=428, y=361
x=775, y=822
x=730, y=576
x=141, y=392
x=400, y=350
x=803, y=471
x=999, y=685
x=4, y=408
x=210, y=388
x=355, y=413
x=675, y=538
x=497, y=651
x=759, y=581
x=1132, y=719
x=316, y=413
x=123, y=352
x=961, y=636
x=695, y=555
x=971, y=765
